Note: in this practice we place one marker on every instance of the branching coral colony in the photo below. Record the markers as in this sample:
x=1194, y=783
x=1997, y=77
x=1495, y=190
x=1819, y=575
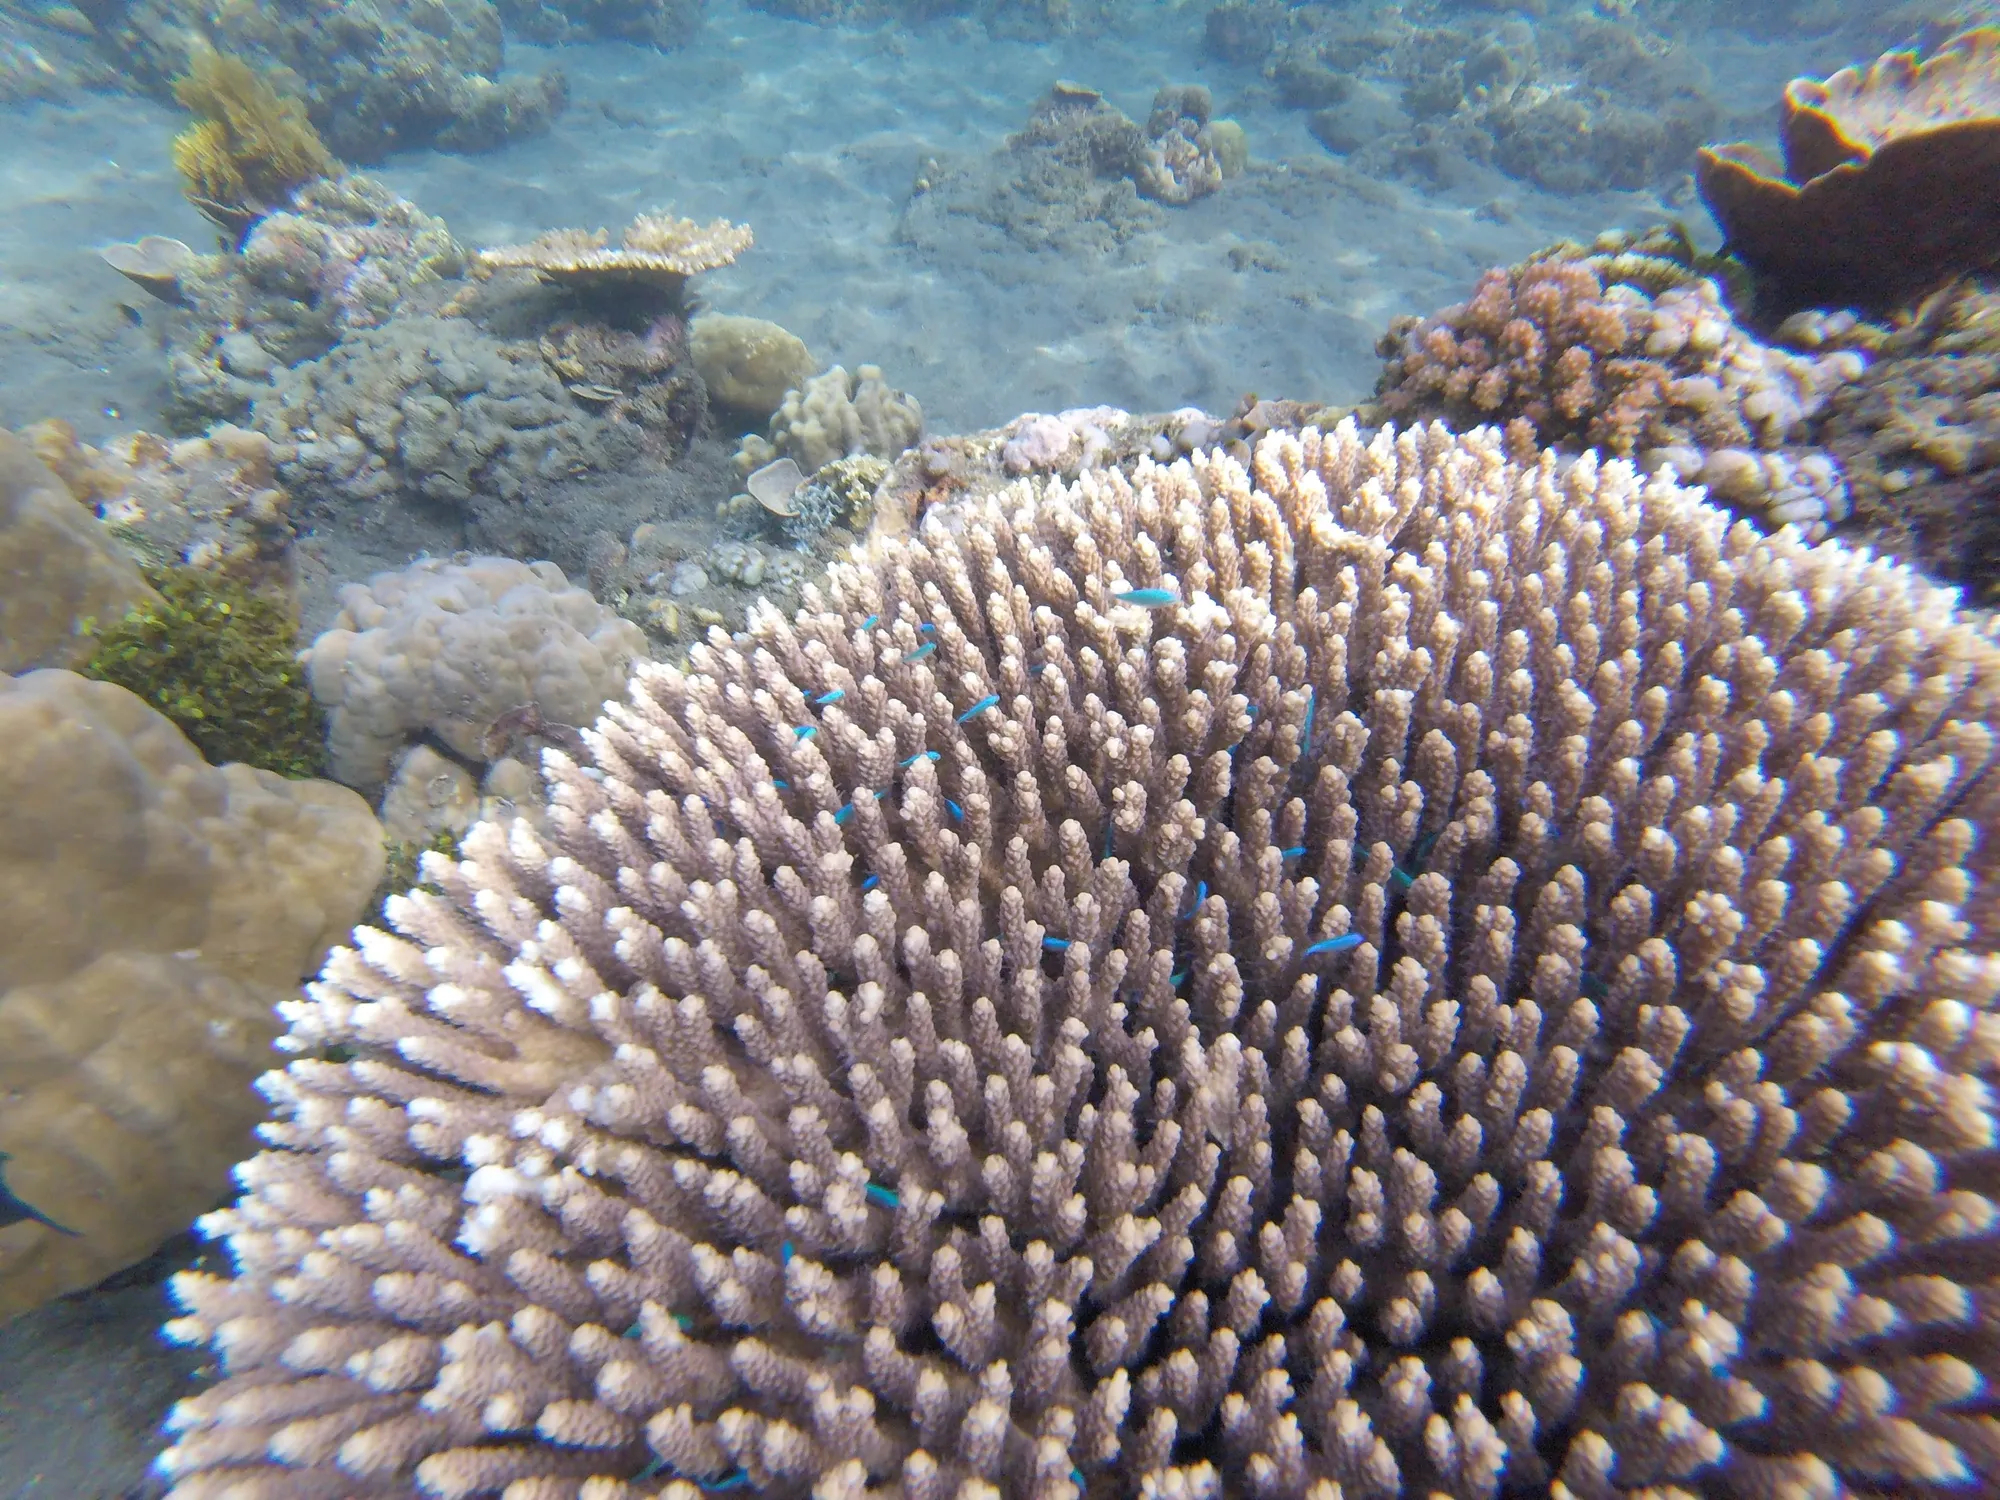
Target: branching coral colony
x=1385, y=973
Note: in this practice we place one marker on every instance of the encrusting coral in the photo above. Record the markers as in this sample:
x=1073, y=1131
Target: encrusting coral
x=248, y=149
x=1389, y=973
x=1890, y=182
x=1634, y=354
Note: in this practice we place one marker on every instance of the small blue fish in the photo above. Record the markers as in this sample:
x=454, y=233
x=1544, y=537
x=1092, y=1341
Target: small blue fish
x=738, y=1480
x=833, y=696
x=1177, y=979
x=13, y=1210
x=871, y=622
x=783, y=786
x=882, y=1197
x=921, y=755
x=654, y=1468
x=785, y=1252
x=921, y=652
x=1038, y=668
x=954, y=809
x=1312, y=708
x=1292, y=853
x=804, y=731
x=1200, y=895
x=991, y=700
x=1342, y=944
x=1147, y=598
x=927, y=628
x=870, y=883
x=1250, y=711
x=1055, y=944
x=844, y=814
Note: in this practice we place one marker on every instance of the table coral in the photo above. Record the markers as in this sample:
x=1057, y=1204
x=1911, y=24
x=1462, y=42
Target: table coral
x=636, y=280
x=157, y=909
x=1379, y=973
x=1636, y=356
x=1890, y=181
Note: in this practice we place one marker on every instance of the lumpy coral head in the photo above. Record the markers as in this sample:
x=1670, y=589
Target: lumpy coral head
x=1385, y=973
x=1891, y=179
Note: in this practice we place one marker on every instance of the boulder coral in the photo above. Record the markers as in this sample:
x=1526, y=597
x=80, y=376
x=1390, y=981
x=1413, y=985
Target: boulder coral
x=157, y=910
x=1380, y=972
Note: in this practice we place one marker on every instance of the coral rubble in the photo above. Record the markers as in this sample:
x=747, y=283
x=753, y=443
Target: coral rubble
x=1890, y=181
x=1386, y=969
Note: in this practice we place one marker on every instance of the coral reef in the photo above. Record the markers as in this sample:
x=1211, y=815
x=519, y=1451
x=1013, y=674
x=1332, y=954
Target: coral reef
x=1395, y=972
x=748, y=364
x=656, y=23
x=248, y=149
x=437, y=409
x=156, y=910
x=209, y=503
x=1890, y=181
x=1075, y=180
x=1575, y=104
x=1632, y=354
x=836, y=415
x=341, y=255
x=376, y=75
x=1917, y=437
x=222, y=665
x=62, y=570
x=473, y=653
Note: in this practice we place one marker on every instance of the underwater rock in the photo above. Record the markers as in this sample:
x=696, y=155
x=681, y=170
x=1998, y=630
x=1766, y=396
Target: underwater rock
x=654, y=23
x=341, y=254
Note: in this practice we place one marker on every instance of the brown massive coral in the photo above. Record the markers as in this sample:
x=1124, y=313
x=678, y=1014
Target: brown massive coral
x=1890, y=183
x=1390, y=973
